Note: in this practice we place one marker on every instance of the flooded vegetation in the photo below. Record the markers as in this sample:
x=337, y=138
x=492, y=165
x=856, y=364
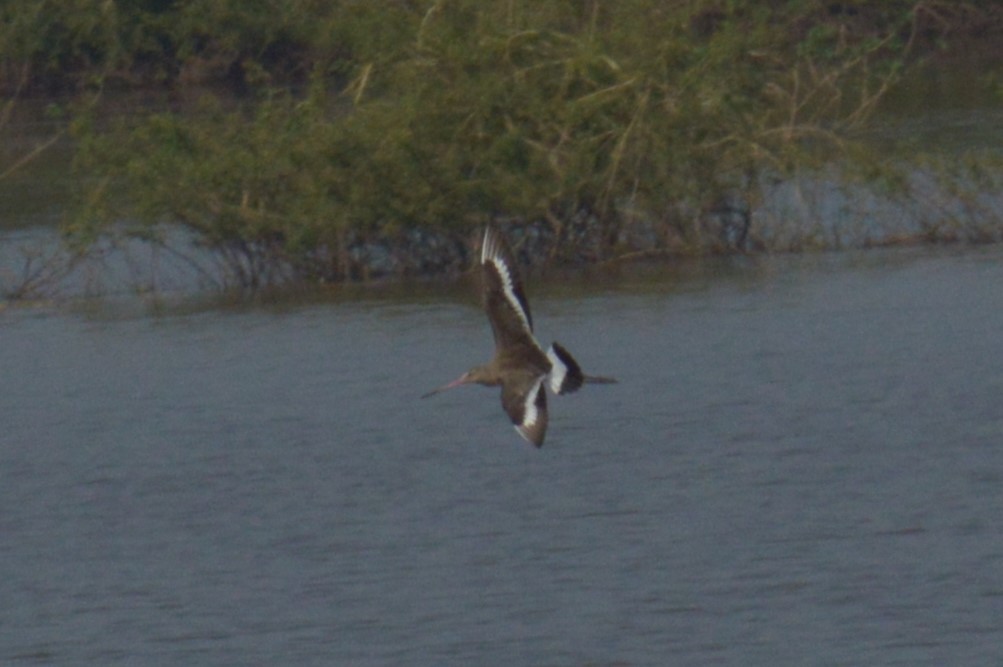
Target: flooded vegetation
x=215, y=146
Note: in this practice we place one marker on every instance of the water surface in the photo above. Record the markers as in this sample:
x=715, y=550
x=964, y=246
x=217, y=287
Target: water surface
x=801, y=465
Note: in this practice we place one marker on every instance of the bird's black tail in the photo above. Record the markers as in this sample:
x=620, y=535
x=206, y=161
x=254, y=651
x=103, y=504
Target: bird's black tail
x=566, y=375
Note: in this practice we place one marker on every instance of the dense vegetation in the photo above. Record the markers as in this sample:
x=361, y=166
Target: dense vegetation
x=328, y=140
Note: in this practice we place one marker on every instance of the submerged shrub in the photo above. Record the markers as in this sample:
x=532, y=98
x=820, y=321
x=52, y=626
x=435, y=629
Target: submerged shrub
x=608, y=127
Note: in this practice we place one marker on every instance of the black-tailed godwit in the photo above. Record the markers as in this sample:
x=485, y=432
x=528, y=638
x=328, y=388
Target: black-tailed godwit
x=520, y=366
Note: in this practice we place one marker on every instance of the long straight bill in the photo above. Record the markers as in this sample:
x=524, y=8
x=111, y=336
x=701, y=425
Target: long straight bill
x=455, y=383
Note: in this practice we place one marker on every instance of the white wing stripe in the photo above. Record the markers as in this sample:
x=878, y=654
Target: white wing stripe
x=489, y=253
x=531, y=413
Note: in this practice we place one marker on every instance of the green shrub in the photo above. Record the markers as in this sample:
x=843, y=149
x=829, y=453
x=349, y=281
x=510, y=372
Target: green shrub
x=595, y=121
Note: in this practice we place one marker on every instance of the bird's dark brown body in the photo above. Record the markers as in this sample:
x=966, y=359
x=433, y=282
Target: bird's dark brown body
x=519, y=366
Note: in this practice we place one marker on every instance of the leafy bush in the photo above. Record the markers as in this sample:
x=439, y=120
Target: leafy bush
x=606, y=127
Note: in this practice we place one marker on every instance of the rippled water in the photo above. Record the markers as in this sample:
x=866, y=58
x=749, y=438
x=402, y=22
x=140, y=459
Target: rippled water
x=802, y=465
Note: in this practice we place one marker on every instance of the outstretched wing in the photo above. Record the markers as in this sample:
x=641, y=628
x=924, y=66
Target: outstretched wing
x=504, y=299
x=525, y=402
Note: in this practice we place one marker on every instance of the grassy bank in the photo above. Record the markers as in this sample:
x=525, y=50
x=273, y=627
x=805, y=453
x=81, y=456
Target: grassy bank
x=354, y=139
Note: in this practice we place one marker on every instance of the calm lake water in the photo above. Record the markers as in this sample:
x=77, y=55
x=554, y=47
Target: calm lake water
x=802, y=465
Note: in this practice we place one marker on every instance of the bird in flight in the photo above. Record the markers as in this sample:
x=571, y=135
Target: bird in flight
x=520, y=366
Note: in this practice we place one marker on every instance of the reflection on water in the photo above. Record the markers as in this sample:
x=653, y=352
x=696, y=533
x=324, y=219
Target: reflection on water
x=801, y=465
